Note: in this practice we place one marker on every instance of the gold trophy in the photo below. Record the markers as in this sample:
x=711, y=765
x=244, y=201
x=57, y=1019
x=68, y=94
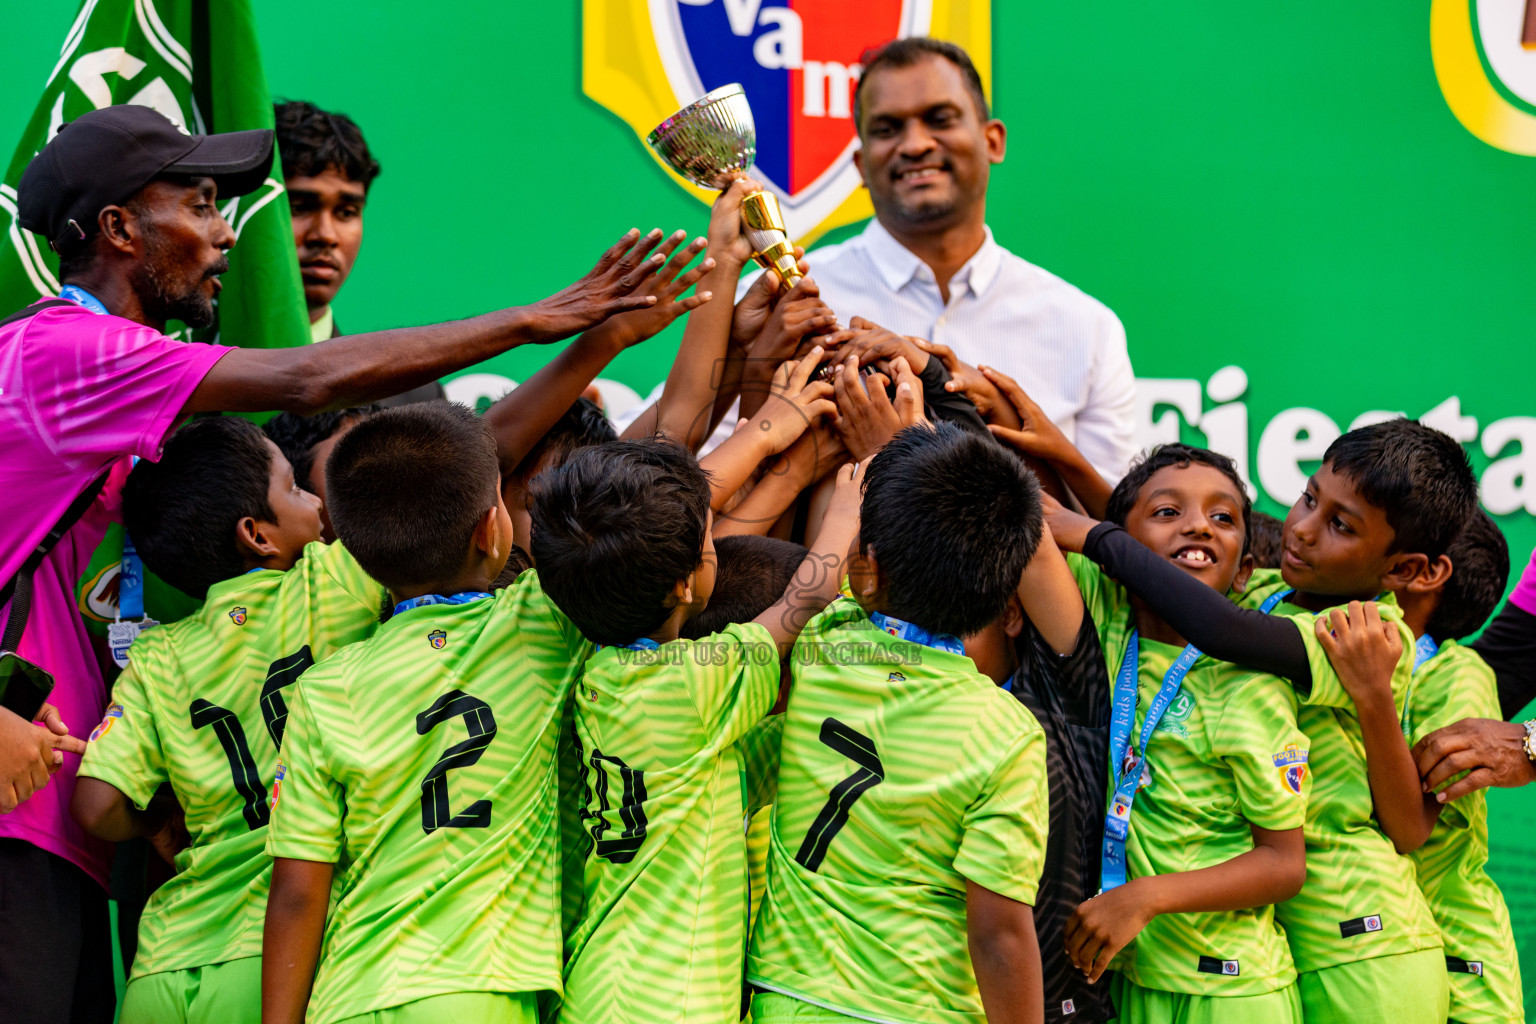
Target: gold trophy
x=711, y=142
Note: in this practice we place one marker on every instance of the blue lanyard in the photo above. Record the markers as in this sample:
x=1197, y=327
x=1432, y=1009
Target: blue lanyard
x=81, y=297
x=426, y=599
x=917, y=634
x=645, y=643
x=1127, y=768
x=130, y=580
x=1423, y=650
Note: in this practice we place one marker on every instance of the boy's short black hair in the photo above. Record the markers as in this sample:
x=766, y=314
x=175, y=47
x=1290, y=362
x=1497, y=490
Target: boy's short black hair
x=1418, y=476
x=1264, y=539
x=615, y=527
x=406, y=488
x=581, y=426
x=751, y=574
x=311, y=140
x=297, y=435
x=953, y=518
x=1479, y=572
x=182, y=511
x=903, y=53
x=1123, y=498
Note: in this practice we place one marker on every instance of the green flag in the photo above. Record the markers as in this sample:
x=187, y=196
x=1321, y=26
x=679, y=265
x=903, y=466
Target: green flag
x=196, y=62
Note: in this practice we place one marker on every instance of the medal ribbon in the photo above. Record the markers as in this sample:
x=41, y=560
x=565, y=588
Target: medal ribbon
x=915, y=634
x=425, y=599
x=1127, y=771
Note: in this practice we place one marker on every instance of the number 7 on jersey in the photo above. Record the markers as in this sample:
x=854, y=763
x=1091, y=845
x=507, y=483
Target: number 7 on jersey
x=859, y=749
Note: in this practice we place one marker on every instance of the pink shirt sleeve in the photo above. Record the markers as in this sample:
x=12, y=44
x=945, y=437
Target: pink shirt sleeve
x=101, y=386
x=1524, y=595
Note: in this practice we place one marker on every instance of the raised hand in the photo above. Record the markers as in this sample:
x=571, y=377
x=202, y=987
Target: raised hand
x=794, y=402
x=866, y=417
x=727, y=242
x=751, y=313
x=1363, y=650
x=1036, y=434
x=667, y=276
x=871, y=343
x=798, y=319
x=1069, y=529
x=613, y=286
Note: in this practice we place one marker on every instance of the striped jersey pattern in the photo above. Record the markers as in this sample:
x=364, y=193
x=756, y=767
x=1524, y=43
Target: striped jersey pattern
x=203, y=705
x=1226, y=755
x=904, y=772
x=1452, y=865
x=422, y=764
x=662, y=932
x=1361, y=899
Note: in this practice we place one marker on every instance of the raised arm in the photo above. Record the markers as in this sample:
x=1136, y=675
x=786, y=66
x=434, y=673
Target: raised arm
x=523, y=417
x=1364, y=651
x=795, y=402
x=1037, y=436
x=360, y=368
x=821, y=573
x=1049, y=596
x=687, y=402
x=1200, y=614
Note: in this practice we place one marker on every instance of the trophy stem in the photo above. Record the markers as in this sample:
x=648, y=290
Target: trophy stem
x=771, y=248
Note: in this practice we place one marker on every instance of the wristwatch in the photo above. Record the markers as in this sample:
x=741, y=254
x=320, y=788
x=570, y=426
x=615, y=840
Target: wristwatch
x=1530, y=740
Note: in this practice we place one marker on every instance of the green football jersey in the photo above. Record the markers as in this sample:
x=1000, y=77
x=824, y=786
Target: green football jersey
x=202, y=706
x=903, y=772
x=663, y=805
x=1227, y=754
x=1452, y=865
x=1360, y=899
x=422, y=764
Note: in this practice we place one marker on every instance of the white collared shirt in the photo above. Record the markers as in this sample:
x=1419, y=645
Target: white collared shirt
x=1066, y=349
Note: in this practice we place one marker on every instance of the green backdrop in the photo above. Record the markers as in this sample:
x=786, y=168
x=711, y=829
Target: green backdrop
x=1276, y=187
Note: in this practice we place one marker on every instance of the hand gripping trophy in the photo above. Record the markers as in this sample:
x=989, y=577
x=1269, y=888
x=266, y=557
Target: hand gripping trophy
x=711, y=142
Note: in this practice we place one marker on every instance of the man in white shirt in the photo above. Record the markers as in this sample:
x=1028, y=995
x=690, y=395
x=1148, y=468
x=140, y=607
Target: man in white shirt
x=927, y=265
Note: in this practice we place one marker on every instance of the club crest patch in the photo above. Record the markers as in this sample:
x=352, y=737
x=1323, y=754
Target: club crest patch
x=237, y=615
x=277, y=784
x=438, y=639
x=895, y=677
x=1291, y=763
x=113, y=713
x=1176, y=718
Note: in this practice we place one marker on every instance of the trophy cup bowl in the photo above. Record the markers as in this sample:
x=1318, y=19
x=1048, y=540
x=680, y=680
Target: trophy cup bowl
x=711, y=142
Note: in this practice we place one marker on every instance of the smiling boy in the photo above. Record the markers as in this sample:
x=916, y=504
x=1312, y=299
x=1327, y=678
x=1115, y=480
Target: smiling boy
x=1379, y=514
x=1204, y=829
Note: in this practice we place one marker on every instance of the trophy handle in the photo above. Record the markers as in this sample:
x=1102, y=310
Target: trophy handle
x=771, y=247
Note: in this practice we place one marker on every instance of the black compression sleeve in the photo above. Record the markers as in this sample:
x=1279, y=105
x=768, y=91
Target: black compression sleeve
x=1508, y=645
x=1202, y=616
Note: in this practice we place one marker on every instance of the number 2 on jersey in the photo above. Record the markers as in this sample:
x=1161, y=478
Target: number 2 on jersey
x=859, y=749
x=435, y=812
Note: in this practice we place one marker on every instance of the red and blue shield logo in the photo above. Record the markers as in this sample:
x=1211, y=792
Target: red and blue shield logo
x=797, y=60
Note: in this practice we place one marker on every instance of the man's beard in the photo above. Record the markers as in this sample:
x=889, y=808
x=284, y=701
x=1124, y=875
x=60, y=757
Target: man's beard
x=158, y=290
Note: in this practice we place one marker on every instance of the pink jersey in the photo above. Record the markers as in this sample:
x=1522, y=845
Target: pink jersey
x=1524, y=594
x=79, y=392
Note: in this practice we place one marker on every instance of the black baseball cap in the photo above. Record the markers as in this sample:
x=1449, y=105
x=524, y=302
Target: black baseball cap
x=103, y=157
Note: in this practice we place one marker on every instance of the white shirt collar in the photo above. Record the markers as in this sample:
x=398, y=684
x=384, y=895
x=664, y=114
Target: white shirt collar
x=898, y=265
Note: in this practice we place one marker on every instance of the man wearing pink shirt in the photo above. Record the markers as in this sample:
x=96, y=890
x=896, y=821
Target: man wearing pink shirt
x=128, y=200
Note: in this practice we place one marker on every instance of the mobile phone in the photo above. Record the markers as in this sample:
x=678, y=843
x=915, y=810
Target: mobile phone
x=24, y=687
